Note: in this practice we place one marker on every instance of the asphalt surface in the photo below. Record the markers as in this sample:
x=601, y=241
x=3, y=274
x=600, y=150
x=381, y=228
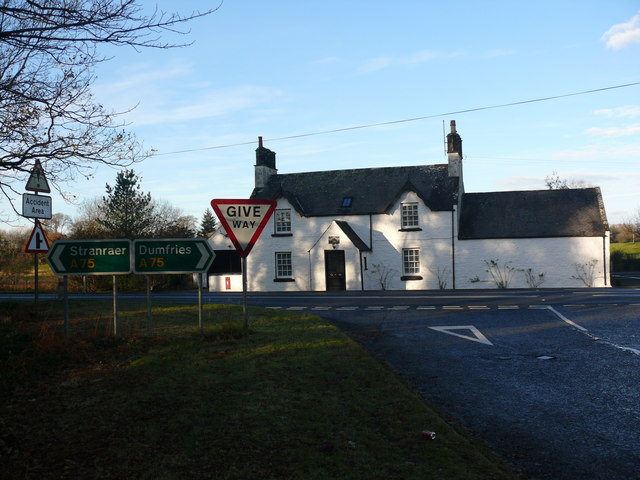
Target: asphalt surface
x=555, y=392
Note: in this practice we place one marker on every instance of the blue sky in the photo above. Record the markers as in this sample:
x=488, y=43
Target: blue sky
x=287, y=67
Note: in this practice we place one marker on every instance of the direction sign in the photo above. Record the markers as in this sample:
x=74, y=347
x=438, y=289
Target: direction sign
x=37, y=242
x=37, y=181
x=243, y=220
x=172, y=255
x=90, y=257
x=36, y=206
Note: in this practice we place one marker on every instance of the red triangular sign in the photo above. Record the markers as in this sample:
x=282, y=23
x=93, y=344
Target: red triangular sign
x=37, y=181
x=37, y=242
x=243, y=220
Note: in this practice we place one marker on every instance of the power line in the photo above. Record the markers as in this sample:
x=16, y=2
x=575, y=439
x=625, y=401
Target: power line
x=406, y=120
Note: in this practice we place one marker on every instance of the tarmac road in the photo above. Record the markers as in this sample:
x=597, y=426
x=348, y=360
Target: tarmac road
x=555, y=392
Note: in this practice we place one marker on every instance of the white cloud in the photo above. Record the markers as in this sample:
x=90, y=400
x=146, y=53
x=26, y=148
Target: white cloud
x=627, y=111
x=614, y=131
x=423, y=56
x=376, y=64
x=622, y=35
x=208, y=105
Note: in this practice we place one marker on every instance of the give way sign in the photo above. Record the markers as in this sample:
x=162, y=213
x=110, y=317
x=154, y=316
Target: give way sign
x=243, y=220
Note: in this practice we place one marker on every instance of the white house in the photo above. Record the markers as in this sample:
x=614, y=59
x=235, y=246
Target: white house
x=415, y=228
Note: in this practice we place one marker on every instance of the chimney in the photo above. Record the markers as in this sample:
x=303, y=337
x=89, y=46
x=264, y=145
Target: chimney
x=454, y=151
x=265, y=165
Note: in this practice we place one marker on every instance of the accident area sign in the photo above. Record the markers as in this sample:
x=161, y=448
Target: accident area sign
x=243, y=220
x=36, y=206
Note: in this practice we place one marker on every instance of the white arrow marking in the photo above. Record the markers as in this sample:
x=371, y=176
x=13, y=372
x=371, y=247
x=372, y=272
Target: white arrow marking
x=204, y=256
x=478, y=336
x=55, y=258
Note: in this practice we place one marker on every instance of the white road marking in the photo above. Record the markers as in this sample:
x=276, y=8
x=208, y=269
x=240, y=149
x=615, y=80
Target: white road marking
x=347, y=308
x=635, y=351
x=426, y=307
x=376, y=307
x=399, y=307
x=478, y=336
x=478, y=307
x=508, y=307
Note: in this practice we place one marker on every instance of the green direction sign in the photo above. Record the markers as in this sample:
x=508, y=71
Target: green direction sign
x=172, y=255
x=90, y=257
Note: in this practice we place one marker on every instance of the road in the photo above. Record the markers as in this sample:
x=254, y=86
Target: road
x=549, y=379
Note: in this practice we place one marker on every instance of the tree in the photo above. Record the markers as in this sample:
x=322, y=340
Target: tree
x=554, y=182
x=207, y=224
x=127, y=212
x=171, y=222
x=48, y=54
x=58, y=225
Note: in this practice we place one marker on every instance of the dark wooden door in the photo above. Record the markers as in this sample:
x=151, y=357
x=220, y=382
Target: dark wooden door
x=334, y=269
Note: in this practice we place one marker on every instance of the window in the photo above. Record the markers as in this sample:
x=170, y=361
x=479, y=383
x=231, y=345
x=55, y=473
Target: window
x=283, y=221
x=409, y=215
x=346, y=202
x=411, y=261
x=283, y=265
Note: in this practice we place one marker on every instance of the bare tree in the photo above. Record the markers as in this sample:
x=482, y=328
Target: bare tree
x=554, y=182
x=48, y=53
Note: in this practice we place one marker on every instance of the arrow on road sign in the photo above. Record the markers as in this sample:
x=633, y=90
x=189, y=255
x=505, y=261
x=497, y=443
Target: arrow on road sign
x=477, y=335
x=172, y=255
x=243, y=220
x=37, y=242
x=90, y=257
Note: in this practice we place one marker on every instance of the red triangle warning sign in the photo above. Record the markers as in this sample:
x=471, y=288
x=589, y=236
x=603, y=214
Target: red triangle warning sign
x=37, y=181
x=243, y=220
x=37, y=242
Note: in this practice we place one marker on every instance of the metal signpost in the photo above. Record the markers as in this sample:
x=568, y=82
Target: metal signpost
x=172, y=255
x=243, y=220
x=37, y=206
x=92, y=257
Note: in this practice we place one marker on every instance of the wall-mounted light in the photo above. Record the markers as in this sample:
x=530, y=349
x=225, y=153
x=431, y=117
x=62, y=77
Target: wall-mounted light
x=334, y=241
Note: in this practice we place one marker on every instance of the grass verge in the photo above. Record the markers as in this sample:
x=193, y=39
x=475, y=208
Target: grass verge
x=293, y=398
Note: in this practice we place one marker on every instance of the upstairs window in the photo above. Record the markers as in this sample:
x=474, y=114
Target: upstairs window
x=283, y=221
x=346, y=202
x=410, y=215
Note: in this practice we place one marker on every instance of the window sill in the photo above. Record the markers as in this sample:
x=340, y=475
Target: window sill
x=282, y=234
x=412, y=229
x=284, y=279
x=408, y=278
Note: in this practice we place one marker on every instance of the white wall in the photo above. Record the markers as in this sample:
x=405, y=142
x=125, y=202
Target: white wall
x=559, y=260
x=556, y=258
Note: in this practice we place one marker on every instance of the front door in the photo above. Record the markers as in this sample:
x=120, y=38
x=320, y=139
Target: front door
x=334, y=269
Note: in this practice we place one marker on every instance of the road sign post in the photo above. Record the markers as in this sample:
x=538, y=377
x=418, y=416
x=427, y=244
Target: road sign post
x=244, y=220
x=172, y=255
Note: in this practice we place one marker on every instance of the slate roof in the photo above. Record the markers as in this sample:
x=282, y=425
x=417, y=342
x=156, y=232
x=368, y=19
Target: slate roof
x=353, y=236
x=373, y=190
x=533, y=214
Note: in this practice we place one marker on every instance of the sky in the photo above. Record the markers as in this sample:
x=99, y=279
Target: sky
x=383, y=78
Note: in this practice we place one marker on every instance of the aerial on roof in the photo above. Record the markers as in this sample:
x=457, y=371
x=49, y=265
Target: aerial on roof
x=371, y=190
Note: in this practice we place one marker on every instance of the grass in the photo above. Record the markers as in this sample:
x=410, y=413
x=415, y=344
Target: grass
x=293, y=398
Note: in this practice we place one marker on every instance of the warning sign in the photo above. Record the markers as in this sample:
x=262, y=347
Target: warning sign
x=37, y=181
x=37, y=242
x=243, y=220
